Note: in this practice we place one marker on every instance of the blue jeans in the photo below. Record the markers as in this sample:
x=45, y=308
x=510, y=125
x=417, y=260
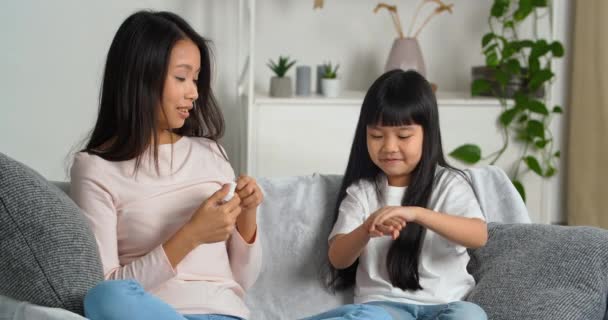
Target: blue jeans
x=384, y=310
x=126, y=299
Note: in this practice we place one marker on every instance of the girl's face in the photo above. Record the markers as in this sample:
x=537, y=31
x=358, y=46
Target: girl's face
x=180, y=88
x=395, y=150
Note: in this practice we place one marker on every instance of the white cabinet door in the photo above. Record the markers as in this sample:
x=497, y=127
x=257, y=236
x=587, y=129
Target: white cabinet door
x=303, y=139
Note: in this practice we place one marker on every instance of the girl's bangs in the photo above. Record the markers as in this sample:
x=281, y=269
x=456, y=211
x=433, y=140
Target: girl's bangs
x=389, y=114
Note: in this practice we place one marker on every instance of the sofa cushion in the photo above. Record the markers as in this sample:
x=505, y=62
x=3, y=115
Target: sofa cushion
x=48, y=254
x=532, y=271
x=295, y=220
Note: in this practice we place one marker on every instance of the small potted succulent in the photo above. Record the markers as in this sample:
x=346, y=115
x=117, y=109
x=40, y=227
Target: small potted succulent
x=330, y=83
x=280, y=85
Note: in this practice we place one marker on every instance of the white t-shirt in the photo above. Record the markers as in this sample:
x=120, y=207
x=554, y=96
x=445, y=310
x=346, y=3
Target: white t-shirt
x=442, y=264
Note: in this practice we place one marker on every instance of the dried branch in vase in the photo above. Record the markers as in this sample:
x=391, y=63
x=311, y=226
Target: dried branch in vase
x=392, y=9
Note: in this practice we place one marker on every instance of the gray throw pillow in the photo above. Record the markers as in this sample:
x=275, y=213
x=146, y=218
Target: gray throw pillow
x=48, y=255
x=533, y=271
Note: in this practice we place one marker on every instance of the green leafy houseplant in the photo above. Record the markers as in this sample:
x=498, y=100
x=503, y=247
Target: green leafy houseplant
x=526, y=118
x=330, y=72
x=281, y=67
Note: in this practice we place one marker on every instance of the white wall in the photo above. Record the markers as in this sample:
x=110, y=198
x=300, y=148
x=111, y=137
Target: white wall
x=53, y=54
x=348, y=32
x=52, y=59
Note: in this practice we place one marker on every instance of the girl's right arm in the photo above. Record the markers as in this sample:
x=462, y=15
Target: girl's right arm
x=345, y=249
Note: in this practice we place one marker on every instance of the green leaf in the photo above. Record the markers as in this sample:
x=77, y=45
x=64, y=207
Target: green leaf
x=509, y=24
x=535, y=128
x=540, y=48
x=557, y=49
x=523, y=118
x=480, y=86
x=539, y=78
x=281, y=67
x=557, y=154
x=538, y=107
x=541, y=143
x=539, y=3
x=521, y=100
x=508, y=51
x=492, y=59
x=558, y=109
x=526, y=43
x=533, y=65
x=524, y=9
x=550, y=172
x=513, y=66
x=468, y=153
x=533, y=165
x=500, y=7
x=490, y=49
x=486, y=39
x=507, y=116
x=502, y=77
x=520, y=188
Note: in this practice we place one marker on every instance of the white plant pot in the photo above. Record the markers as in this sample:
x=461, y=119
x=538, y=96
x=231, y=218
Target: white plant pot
x=330, y=87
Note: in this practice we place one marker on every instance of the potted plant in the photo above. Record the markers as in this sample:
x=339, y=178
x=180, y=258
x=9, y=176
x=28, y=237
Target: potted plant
x=330, y=83
x=280, y=85
x=519, y=68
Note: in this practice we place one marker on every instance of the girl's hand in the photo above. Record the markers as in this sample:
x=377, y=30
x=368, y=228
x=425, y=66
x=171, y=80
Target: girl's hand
x=404, y=214
x=250, y=193
x=389, y=221
x=214, y=220
x=393, y=227
x=390, y=228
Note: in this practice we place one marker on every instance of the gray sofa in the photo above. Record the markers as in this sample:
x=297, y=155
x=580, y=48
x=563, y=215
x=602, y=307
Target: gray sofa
x=526, y=271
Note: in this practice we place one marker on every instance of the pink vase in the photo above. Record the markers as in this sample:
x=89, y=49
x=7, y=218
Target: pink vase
x=405, y=54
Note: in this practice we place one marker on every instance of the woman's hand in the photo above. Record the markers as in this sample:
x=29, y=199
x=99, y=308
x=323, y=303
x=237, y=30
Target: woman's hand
x=214, y=220
x=251, y=197
x=250, y=193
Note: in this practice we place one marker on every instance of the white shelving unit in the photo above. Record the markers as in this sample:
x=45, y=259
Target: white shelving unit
x=305, y=135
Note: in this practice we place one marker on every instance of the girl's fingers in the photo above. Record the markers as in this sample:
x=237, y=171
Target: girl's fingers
x=393, y=213
x=394, y=222
x=383, y=216
x=384, y=229
x=395, y=234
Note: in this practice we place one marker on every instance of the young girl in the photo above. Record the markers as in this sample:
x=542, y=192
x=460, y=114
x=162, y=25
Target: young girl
x=404, y=217
x=152, y=182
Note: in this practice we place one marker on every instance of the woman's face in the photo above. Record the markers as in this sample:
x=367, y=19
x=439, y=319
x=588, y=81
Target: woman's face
x=180, y=88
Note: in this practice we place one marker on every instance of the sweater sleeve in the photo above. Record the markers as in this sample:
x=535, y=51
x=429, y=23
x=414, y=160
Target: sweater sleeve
x=245, y=259
x=95, y=198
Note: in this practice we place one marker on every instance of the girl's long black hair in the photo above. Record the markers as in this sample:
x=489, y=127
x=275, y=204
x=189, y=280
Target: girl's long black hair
x=132, y=87
x=396, y=98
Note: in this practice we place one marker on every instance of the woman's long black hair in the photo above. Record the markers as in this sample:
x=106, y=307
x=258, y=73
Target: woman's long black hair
x=396, y=98
x=133, y=81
